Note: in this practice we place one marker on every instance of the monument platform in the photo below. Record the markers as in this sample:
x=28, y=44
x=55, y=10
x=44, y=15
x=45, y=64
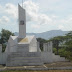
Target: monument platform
x=24, y=59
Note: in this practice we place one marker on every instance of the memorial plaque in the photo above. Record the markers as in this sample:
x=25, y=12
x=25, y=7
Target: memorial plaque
x=21, y=22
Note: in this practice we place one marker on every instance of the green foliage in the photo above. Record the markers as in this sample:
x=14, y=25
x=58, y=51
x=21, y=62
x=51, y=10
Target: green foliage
x=55, y=50
x=64, y=50
x=56, y=41
x=62, y=45
x=4, y=36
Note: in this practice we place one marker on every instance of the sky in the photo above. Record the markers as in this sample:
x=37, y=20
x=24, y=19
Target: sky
x=41, y=15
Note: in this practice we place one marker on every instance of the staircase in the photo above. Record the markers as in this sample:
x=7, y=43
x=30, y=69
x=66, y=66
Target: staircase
x=24, y=59
x=57, y=58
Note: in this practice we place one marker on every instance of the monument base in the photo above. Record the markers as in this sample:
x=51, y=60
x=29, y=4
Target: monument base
x=24, y=59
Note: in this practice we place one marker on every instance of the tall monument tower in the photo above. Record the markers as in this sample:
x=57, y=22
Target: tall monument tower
x=22, y=22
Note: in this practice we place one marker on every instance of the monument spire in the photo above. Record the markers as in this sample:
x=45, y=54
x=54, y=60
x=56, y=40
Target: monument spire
x=22, y=22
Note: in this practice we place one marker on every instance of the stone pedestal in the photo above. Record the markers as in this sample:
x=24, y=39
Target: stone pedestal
x=24, y=59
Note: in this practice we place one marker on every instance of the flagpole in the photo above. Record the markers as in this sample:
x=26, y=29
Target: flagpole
x=22, y=3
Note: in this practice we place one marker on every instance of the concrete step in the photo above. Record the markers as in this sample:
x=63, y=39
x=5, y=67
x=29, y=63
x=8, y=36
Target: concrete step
x=24, y=64
x=25, y=53
x=29, y=54
x=24, y=58
x=24, y=61
x=20, y=58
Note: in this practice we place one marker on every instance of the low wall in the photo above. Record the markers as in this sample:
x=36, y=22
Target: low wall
x=46, y=57
x=58, y=58
x=3, y=58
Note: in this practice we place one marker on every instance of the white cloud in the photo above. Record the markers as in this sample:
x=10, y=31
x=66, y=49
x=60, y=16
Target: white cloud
x=31, y=6
x=11, y=9
x=54, y=16
x=4, y=19
x=0, y=20
x=60, y=27
x=33, y=14
x=35, y=26
x=0, y=6
x=44, y=19
x=67, y=20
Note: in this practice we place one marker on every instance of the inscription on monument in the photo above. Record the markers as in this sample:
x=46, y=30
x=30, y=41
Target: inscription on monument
x=21, y=22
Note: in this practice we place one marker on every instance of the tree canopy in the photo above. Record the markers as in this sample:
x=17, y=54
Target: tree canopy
x=4, y=36
x=63, y=45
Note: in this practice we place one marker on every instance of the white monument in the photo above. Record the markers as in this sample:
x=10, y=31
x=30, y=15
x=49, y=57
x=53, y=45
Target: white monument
x=24, y=50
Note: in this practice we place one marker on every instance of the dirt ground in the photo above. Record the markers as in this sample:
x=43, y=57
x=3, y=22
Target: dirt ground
x=55, y=64
x=59, y=64
x=40, y=71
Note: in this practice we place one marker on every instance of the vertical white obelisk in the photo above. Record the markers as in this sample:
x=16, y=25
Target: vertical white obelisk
x=22, y=22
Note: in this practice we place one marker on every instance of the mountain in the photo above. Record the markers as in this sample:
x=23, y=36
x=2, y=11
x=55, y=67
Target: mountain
x=48, y=34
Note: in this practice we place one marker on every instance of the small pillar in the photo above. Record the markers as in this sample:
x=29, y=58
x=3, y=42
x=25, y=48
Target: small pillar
x=38, y=47
x=0, y=48
x=50, y=46
x=45, y=47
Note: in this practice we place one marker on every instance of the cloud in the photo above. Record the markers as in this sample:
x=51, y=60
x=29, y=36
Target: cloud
x=60, y=27
x=11, y=9
x=35, y=26
x=54, y=16
x=32, y=10
x=34, y=16
x=44, y=19
x=0, y=6
x=4, y=19
x=31, y=6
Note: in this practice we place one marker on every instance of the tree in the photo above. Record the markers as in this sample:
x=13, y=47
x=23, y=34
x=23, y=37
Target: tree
x=68, y=45
x=66, y=48
x=4, y=36
x=56, y=41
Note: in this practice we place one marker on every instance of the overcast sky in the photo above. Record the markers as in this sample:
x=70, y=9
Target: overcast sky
x=41, y=15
